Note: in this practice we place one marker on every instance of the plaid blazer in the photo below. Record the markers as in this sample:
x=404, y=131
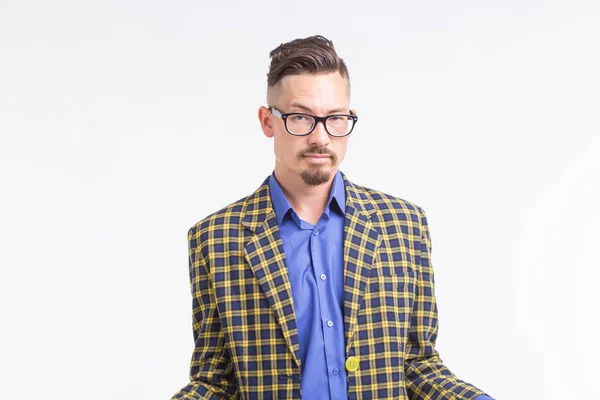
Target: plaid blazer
x=244, y=326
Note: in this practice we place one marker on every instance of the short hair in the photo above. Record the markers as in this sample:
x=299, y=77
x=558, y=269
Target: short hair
x=312, y=55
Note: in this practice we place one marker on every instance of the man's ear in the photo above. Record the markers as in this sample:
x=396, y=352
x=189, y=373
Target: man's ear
x=266, y=121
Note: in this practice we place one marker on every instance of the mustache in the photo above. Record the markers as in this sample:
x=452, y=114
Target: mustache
x=315, y=150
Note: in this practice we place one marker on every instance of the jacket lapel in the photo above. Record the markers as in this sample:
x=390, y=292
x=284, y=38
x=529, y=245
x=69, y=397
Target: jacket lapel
x=361, y=243
x=264, y=253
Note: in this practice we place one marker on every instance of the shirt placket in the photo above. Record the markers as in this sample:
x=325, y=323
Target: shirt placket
x=330, y=322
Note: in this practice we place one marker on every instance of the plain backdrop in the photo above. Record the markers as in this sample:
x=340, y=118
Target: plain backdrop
x=123, y=123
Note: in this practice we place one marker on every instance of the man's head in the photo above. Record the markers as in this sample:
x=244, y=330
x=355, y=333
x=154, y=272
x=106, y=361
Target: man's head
x=306, y=76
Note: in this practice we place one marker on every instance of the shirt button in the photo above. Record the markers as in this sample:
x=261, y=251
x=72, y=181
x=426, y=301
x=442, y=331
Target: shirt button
x=335, y=371
x=323, y=277
x=352, y=363
x=316, y=232
x=330, y=323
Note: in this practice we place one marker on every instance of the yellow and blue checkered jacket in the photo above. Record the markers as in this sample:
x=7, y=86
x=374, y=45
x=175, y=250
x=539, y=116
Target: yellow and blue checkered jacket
x=244, y=326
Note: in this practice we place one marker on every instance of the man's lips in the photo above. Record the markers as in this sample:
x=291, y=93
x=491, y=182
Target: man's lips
x=317, y=158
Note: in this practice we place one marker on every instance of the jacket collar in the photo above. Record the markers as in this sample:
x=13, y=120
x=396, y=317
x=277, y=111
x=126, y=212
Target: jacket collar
x=259, y=204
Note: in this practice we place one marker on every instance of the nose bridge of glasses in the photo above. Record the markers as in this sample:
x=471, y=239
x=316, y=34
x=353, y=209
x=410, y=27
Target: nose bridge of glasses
x=323, y=120
x=320, y=119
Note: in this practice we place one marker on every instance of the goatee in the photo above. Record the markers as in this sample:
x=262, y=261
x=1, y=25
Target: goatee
x=315, y=177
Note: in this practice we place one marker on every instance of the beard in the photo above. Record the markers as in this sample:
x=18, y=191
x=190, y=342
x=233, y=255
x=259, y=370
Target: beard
x=317, y=174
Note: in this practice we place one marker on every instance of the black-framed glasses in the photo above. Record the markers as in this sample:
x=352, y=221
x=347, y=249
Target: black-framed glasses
x=301, y=124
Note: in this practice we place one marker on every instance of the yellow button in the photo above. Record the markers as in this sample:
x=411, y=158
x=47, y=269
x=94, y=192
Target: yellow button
x=352, y=363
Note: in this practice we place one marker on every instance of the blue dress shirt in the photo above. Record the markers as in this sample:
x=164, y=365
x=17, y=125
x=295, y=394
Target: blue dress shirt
x=315, y=263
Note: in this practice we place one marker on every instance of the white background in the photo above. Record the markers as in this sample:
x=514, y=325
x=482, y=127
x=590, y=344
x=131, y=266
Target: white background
x=123, y=123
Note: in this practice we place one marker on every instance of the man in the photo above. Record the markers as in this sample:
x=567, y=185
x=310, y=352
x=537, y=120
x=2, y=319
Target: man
x=314, y=287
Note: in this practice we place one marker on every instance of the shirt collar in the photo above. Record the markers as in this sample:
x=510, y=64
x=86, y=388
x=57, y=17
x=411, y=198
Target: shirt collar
x=281, y=205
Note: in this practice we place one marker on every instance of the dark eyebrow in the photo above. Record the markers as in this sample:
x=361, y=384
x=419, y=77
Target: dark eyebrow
x=307, y=109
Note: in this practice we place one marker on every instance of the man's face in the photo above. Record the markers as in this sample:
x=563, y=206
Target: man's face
x=314, y=157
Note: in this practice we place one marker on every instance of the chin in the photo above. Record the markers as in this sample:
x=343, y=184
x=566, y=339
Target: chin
x=318, y=175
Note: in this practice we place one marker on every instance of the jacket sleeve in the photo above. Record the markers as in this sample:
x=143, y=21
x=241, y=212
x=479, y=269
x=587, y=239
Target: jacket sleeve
x=426, y=375
x=211, y=371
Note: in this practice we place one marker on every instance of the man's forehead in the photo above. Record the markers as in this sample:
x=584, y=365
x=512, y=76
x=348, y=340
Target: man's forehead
x=317, y=108
x=324, y=92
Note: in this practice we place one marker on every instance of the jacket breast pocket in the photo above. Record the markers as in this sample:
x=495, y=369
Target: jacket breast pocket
x=390, y=298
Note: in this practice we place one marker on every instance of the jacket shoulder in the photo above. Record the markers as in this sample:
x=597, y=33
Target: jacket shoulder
x=387, y=204
x=226, y=216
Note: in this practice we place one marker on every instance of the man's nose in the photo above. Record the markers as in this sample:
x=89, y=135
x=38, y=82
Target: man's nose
x=319, y=135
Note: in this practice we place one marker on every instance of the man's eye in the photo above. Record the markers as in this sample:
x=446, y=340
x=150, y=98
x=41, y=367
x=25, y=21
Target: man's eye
x=299, y=117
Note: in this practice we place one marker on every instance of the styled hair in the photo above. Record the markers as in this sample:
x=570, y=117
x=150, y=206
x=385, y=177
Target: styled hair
x=311, y=55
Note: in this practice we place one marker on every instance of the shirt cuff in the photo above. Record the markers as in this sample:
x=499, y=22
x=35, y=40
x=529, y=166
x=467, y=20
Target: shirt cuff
x=483, y=397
